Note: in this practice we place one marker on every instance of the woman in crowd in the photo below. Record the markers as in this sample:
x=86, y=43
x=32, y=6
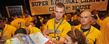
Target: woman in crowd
x=75, y=37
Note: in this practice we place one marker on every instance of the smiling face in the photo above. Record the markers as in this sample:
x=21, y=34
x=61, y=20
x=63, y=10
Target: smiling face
x=59, y=12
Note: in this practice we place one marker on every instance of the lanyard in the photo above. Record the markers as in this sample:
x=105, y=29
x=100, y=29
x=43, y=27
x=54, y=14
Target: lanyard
x=87, y=33
x=56, y=28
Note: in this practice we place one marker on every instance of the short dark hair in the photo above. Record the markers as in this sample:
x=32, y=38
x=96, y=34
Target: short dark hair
x=60, y=5
x=21, y=30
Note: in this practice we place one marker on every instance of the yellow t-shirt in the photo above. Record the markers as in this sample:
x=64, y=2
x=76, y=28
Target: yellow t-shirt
x=28, y=19
x=105, y=30
x=63, y=28
x=16, y=22
x=33, y=29
x=8, y=31
x=92, y=35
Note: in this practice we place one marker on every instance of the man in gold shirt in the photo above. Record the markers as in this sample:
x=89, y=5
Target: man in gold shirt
x=19, y=22
x=91, y=33
x=7, y=30
x=57, y=28
x=31, y=28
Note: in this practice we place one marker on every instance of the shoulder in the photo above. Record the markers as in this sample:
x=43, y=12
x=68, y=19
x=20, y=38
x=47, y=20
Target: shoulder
x=9, y=26
x=37, y=29
x=34, y=29
x=51, y=20
x=78, y=26
x=95, y=30
x=66, y=23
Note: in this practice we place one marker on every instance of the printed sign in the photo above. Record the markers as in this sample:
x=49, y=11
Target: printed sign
x=46, y=6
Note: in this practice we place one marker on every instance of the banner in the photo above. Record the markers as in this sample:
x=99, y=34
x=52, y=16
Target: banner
x=39, y=7
x=14, y=10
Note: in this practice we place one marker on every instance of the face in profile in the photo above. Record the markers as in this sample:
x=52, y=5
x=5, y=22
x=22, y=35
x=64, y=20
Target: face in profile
x=59, y=12
x=85, y=18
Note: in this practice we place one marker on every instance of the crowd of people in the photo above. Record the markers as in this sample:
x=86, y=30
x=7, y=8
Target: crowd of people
x=82, y=27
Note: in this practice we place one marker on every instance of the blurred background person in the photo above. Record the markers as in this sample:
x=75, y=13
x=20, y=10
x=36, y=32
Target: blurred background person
x=7, y=31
